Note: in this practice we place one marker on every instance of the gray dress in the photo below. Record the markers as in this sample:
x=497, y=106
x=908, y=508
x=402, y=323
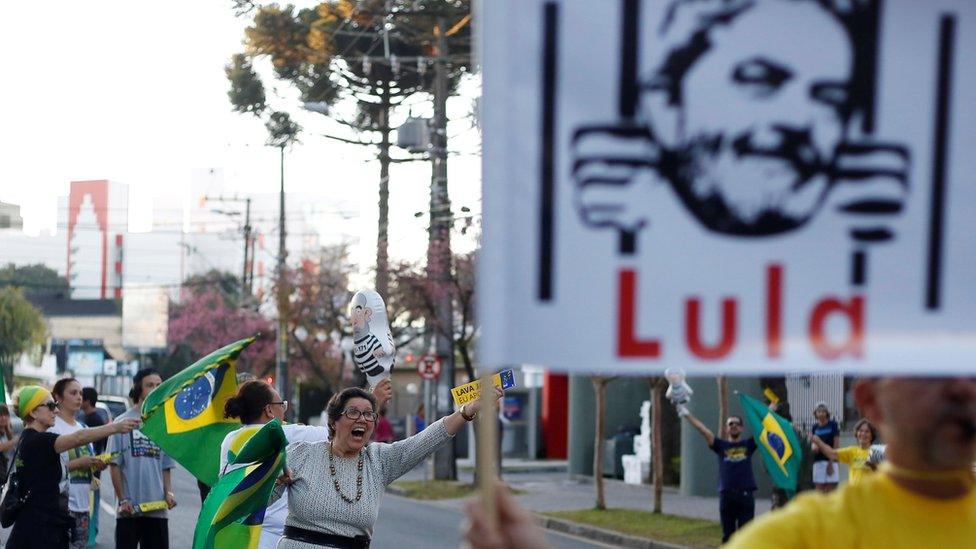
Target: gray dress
x=314, y=504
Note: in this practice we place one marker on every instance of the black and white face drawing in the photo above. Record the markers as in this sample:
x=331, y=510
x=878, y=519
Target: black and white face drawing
x=749, y=120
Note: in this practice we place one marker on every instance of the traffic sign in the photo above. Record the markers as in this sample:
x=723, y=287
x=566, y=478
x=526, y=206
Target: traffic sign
x=429, y=367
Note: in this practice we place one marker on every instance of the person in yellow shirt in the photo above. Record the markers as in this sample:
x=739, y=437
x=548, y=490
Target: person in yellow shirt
x=855, y=457
x=923, y=496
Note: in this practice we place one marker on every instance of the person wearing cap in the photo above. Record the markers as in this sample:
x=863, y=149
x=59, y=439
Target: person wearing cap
x=43, y=522
x=826, y=473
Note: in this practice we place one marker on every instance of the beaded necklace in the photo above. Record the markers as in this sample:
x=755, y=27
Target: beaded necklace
x=359, y=477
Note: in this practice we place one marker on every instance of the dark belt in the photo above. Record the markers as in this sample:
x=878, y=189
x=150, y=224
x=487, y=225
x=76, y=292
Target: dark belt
x=326, y=540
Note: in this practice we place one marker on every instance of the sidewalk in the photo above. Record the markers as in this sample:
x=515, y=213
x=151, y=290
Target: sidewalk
x=547, y=486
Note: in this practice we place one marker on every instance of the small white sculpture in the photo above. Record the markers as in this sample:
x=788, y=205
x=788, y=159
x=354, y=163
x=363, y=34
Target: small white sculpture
x=374, y=352
x=679, y=392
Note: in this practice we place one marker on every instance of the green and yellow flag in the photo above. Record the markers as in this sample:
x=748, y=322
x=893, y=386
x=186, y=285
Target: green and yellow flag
x=232, y=514
x=185, y=415
x=777, y=442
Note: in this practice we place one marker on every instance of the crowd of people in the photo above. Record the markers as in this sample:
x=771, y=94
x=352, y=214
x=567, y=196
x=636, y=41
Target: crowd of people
x=330, y=492
x=67, y=442
x=736, y=483
x=923, y=495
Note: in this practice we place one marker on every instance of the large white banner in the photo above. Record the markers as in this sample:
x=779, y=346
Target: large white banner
x=730, y=186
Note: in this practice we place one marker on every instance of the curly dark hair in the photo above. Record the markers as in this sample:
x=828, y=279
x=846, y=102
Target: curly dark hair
x=338, y=402
x=135, y=393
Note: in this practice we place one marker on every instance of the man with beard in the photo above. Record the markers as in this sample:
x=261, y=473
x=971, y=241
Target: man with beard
x=737, y=504
x=748, y=116
x=924, y=494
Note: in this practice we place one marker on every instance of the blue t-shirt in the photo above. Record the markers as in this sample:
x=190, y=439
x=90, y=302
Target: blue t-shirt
x=735, y=464
x=827, y=433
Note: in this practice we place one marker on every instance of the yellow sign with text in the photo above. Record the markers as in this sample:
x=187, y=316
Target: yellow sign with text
x=469, y=392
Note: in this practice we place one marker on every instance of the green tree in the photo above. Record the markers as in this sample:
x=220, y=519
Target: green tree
x=318, y=293
x=36, y=280
x=367, y=54
x=228, y=284
x=21, y=328
x=413, y=300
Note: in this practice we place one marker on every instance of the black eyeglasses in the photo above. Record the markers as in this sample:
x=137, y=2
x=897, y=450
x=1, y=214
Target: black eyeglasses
x=53, y=405
x=283, y=404
x=356, y=413
x=734, y=424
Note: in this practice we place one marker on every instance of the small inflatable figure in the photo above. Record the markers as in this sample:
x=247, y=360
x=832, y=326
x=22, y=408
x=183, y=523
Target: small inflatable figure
x=374, y=352
x=678, y=391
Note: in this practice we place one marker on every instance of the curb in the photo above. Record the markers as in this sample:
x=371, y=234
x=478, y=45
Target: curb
x=601, y=535
x=594, y=533
x=515, y=469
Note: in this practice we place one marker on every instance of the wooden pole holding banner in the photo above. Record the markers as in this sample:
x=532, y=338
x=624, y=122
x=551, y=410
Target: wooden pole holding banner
x=486, y=449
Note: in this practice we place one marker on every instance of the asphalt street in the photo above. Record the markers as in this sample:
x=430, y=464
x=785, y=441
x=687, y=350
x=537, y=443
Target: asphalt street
x=403, y=523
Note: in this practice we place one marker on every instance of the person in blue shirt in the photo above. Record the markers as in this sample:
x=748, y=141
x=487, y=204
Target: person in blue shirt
x=825, y=471
x=736, y=484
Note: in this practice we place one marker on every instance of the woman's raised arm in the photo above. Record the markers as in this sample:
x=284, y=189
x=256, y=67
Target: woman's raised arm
x=84, y=436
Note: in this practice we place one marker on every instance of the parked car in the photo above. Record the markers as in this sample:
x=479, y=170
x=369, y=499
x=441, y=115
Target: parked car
x=116, y=405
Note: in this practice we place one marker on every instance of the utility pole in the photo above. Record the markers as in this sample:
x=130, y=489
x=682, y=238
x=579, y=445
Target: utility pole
x=281, y=347
x=246, y=281
x=247, y=277
x=439, y=251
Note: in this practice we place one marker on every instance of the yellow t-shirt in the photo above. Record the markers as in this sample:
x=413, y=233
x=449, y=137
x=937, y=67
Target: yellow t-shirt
x=854, y=457
x=874, y=512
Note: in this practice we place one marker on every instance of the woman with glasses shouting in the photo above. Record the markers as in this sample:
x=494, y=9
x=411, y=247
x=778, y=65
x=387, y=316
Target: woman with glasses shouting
x=255, y=404
x=43, y=521
x=335, y=487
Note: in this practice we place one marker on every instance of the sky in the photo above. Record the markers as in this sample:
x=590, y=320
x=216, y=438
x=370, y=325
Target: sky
x=135, y=92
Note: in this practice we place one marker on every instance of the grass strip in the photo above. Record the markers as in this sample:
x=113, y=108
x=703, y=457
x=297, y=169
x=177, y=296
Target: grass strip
x=435, y=489
x=667, y=528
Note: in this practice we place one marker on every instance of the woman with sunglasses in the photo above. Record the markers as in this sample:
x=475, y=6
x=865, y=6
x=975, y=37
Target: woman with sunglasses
x=335, y=487
x=255, y=404
x=44, y=522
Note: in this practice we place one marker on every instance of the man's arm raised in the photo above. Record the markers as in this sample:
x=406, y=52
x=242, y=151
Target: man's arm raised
x=697, y=424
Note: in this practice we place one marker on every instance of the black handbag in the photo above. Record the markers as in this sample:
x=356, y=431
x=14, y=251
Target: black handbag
x=13, y=500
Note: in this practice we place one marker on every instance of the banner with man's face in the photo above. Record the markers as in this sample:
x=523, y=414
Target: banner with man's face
x=729, y=186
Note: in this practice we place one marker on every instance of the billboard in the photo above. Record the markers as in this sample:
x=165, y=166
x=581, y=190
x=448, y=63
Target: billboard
x=729, y=186
x=85, y=362
x=145, y=318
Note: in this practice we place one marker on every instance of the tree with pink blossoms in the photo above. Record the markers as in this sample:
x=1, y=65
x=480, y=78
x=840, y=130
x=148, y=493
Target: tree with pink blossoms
x=208, y=317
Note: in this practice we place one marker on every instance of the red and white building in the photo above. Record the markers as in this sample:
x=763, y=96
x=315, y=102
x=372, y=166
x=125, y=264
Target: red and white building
x=97, y=224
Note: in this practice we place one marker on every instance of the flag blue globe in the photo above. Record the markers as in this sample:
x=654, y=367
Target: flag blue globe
x=776, y=443
x=193, y=400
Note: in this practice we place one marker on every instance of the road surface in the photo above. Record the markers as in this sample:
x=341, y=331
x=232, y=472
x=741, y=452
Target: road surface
x=403, y=523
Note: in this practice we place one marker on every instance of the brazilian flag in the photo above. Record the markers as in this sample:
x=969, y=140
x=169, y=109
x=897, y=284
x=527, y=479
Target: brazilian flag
x=777, y=443
x=185, y=415
x=232, y=514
